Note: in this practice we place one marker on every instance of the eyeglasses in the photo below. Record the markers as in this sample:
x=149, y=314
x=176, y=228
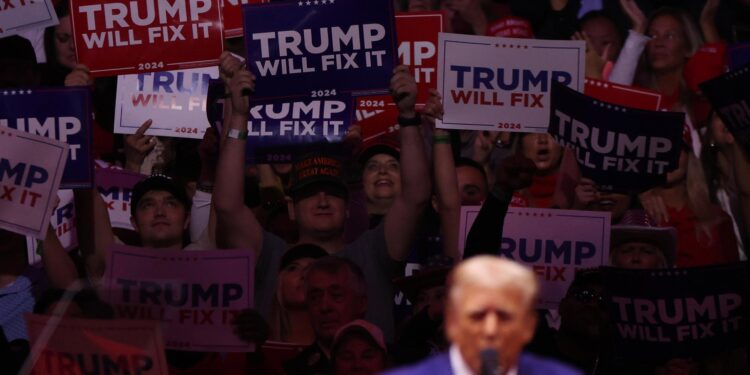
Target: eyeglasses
x=588, y=296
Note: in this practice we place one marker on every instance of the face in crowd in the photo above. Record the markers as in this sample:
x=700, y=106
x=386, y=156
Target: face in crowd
x=321, y=213
x=490, y=307
x=64, y=47
x=160, y=219
x=543, y=150
x=333, y=300
x=433, y=299
x=638, y=255
x=381, y=178
x=471, y=185
x=292, y=283
x=614, y=203
x=668, y=48
x=358, y=354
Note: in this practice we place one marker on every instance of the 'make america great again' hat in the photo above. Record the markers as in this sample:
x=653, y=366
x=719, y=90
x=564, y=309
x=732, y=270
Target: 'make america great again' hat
x=316, y=172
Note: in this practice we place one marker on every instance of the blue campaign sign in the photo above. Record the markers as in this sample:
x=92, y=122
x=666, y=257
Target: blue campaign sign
x=621, y=149
x=62, y=114
x=662, y=314
x=739, y=55
x=729, y=94
x=310, y=47
x=279, y=129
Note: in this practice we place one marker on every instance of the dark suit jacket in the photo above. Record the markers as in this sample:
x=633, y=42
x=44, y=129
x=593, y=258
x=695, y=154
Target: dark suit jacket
x=528, y=364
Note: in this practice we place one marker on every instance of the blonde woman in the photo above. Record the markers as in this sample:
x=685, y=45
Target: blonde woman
x=705, y=234
x=289, y=321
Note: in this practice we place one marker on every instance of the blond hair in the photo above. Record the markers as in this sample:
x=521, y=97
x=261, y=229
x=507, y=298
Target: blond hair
x=699, y=198
x=492, y=272
x=693, y=40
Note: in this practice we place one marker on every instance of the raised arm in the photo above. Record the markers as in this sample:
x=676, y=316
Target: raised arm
x=471, y=11
x=594, y=61
x=237, y=226
x=624, y=70
x=485, y=236
x=58, y=266
x=92, y=212
x=446, y=181
x=202, y=216
x=402, y=218
x=138, y=146
x=708, y=21
x=635, y=15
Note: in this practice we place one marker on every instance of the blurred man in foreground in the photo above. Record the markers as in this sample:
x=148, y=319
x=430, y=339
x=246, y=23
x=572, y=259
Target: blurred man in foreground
x=488, y=320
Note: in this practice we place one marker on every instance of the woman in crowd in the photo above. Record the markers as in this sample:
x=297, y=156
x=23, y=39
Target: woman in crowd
x=289, y=322
x=59, y=48
x=638, y=244
x=62, y=69
x=705, y=233
x=289, y=319
x=667, y=53
x=728, y=172
x=546, y=154
x=674, y=39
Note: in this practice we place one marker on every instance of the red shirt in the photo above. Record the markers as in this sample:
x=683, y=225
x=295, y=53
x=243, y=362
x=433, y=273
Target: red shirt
x=697, y=248
x=708, y=62
x=539, y=195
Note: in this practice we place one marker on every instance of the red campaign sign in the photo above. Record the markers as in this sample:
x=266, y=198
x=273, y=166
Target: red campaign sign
x=627, y=96
x=377, y=116
x=114, y=37
x=233, y=16
x=417, y=47
x=72, y=346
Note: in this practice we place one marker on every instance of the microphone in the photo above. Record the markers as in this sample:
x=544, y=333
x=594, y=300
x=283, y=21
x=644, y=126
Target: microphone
x=490, y=362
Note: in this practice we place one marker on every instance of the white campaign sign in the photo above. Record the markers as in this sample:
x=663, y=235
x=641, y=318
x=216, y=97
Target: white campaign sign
x=503, y=84
x=63, y=221
x=115, y=187
x=174, y=100
x=31, y=167
x=570, y=240
x=20, y=15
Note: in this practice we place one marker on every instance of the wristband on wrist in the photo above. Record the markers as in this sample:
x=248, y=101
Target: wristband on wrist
x=237, y=134
x=414, y=121
x=441, y=139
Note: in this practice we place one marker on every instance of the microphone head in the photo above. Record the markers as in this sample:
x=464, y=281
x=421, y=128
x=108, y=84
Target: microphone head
x=490, y=361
